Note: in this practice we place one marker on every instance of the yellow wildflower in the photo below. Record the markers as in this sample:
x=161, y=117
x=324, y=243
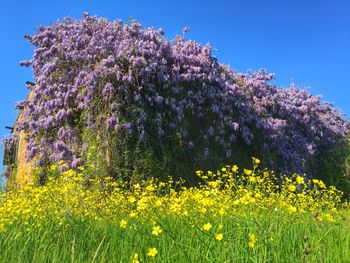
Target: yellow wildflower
x=152, y=252
x=156, y=230
x=299, y=180
x=132, y=199
x=291, y=187
x=234, y=168
x=206, y=227
x=123, y=223
x=158, y=203
x=203, y=210
x=329, y=217
x=219, y=236
x=150, y=188
x=252, y=179
x=135, y=258
x=2, y=228
x=321, y=184
x=252, y=240
x=248, y=172
x=292, y=209
x=52, y=168
x=256, y=161
x=132, y=214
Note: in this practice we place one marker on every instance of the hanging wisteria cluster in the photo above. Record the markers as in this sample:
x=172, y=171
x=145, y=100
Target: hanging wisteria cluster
x=92, y=72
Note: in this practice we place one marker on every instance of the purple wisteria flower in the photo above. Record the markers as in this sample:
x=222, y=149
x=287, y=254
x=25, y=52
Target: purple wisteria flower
x=93, y=74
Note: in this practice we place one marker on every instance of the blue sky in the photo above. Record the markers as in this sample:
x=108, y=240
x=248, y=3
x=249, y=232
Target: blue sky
x=307, y=42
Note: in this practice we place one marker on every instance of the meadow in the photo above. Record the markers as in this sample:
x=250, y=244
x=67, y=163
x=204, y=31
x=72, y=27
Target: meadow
x=232, y=215
x=115, y=108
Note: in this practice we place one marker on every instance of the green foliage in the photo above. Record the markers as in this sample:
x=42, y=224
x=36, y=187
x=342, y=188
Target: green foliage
x=11, y=176
x=279, y=238
x=119, y=155
x=333, y=166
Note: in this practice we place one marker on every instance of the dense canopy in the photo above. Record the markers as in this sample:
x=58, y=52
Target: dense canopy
x=120, y=80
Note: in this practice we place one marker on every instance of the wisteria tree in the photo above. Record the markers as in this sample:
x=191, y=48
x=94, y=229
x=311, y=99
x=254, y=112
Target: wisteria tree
x=124, y=100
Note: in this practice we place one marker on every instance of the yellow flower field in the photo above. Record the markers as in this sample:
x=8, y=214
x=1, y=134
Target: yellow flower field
x=229, y=214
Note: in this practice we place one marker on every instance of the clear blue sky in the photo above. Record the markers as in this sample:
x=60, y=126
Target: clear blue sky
x=304, y=41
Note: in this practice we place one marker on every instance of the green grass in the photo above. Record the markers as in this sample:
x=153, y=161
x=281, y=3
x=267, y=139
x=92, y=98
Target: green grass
x=281, y=237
